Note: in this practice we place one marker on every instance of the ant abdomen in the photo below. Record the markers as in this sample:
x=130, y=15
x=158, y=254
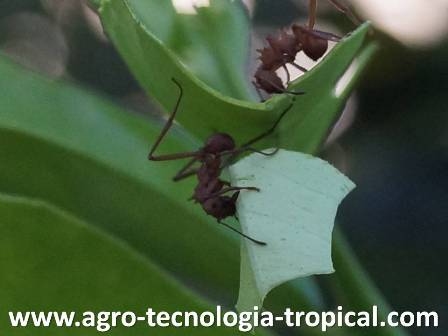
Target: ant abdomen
x=313, y=46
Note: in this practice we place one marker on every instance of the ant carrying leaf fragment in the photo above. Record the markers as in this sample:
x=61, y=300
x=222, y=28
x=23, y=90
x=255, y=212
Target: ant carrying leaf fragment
x=217, y=197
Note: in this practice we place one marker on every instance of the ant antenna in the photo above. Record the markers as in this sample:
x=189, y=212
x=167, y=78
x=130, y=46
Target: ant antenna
x=270, y=130
x=242, y=234
x=247, y=145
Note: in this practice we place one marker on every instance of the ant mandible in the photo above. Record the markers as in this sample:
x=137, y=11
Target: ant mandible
x=211, y=190
x=283, y=49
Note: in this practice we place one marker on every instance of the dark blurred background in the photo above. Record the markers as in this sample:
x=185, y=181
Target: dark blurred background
x=392, y=141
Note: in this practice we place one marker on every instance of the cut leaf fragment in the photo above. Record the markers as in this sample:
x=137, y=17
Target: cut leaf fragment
x=293, y=213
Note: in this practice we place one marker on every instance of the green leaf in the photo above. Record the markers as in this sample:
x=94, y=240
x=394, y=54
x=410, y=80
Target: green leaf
x=212, y=43
x=293, y=213
x=51, y=261
x=85, y=155
x=203, y=108
x=215, y=54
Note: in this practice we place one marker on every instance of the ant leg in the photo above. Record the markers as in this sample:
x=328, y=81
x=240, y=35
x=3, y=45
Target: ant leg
x=263, y=153
x=301, y=68
x=229, y=161
x=242, y=234
x=269, y=131
x=249, y=149
x=186, y=171
x=165, y=130
x=346, y=10
x=226, y=190
x=312, y=13
x=184, y=175
x=246, y=146
x=288, y=76
x=258, y=92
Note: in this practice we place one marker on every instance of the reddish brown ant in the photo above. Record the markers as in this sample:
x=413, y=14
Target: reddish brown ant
x=219, y=150
x=283, y=49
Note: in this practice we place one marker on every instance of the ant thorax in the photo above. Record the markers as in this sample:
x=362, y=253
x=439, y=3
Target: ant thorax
x=210, y=169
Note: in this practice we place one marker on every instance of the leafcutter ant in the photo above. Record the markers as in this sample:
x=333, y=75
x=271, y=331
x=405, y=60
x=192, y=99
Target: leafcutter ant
x=216, y=196
x=283, y=49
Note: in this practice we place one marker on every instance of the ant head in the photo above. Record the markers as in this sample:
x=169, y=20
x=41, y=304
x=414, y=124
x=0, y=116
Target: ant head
x=218, y=143
x=220, y=207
